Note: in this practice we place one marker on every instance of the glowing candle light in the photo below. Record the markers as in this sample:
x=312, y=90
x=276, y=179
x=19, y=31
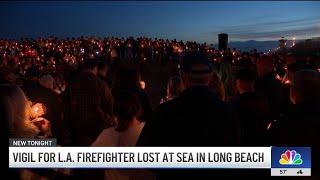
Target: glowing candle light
x=142, y=84
x=38, y=110
x=269, y=126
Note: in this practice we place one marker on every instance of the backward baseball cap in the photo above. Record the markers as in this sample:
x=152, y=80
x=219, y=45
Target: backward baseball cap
x=196, y=63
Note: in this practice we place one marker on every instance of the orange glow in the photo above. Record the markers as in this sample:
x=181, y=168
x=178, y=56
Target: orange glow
x=287, y=82
x=38, y=110
x=142, y=84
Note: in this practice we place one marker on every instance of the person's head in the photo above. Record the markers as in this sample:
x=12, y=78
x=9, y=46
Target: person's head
x=20, y=124
x=12, y=63
x=127, y=77
x=305, y=87
x=90, y=65
x=7, y=76
x=289, y=59
x=32, y=73
x=264, y=65
x=245, y=79
x=196, y=69
x=102, y=68
x=293, y=68
x=244, y=63
x=174, y=87
x=46, y=81
x=127, y=109
x=217, y=85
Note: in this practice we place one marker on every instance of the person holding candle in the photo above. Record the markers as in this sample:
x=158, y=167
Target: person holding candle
x=41, y=90
x=26, y=120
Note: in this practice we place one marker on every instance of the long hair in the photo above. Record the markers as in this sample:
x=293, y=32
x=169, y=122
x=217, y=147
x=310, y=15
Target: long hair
x=127, y=106
x=20, y=124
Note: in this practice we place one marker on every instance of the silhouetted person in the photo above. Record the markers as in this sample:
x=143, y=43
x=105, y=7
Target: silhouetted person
x=6, y=114
x=51, y=100
x=291, y=70
x=252, y=110
x=127, y=78
x=267, y=85
x=302, y=127
x=102, y=76
x=195, y=118
x=86, y=112
x=7, y=76
x=303, y=123
x=86, y=98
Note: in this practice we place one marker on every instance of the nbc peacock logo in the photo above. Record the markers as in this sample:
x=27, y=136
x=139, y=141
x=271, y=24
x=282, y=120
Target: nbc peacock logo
x=290, y=158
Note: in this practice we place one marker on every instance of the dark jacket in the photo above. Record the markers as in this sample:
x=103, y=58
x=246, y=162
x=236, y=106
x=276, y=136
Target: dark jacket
x=303, y=129
x=108, y=99
x=271, y=88
x=253, y=115
x=86, y=111
x=302, y=126
x=196, y=118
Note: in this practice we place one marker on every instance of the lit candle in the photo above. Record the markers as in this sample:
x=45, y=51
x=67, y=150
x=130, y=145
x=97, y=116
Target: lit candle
x=142, y=84
x=287, y=82
x=38, y=110
x=269, y=126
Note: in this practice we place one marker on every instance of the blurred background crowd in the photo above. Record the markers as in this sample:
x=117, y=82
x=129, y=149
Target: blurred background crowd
x=153, y=92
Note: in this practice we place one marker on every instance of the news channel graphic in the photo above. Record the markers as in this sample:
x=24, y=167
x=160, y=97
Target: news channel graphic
x=44, y=156
x=291, y=161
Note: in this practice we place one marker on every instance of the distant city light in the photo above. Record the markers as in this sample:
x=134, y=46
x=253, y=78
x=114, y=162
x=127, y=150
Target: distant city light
x=293, y=41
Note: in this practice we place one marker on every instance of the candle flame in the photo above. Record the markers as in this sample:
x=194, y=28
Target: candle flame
x=269, y=126
x=142, y=84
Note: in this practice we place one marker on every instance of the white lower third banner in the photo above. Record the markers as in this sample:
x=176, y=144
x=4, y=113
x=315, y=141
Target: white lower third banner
x=140, y=157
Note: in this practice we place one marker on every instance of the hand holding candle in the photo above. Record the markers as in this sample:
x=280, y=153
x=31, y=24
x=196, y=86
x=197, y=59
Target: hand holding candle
x=37, y=110
x=43, y=125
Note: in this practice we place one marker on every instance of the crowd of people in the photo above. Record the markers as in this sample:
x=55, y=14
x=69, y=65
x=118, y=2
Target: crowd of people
x=90, y=92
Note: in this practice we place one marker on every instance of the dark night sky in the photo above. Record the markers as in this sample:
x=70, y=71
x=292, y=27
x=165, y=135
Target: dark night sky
x=199, y=21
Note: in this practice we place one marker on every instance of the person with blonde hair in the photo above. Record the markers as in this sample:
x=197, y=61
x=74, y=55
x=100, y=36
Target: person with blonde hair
x=25, y=120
